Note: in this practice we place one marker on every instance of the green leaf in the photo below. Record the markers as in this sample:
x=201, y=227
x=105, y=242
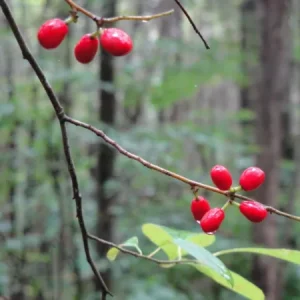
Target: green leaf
x=292, y=256
x=207, y=260
x=163, y=237
x=112, y=254
x=133, y=242
x=240, y=285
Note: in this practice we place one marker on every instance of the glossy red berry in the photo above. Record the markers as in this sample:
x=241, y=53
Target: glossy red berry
x=86, y=49
x=116, y=42
x=212, y=220
x=253, y=211
x=252, y=178
x=199, y=206
x=52, y=33
x=221, y=177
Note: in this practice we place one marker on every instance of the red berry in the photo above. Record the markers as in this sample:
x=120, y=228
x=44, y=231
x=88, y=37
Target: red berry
x=252, y=178
x=86, y=49
x=199, y=207
x=253, y=211
x=212, y=220
x=52, y=33
x=116, y=42
x=221, y=177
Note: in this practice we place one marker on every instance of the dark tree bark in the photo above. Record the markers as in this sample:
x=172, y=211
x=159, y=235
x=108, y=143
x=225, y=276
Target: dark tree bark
x=272, y=96
x=65, y=233
x=106, y=156
x=250, y=48
x=134, y=111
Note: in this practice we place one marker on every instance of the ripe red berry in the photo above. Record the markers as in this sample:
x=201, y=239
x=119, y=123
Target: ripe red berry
x=252, y=178
x=52, y=33
x=253, y=211
x=86, y=49
x=212, y=220
x=199, y=207
x=221, y=177
x=116, y=42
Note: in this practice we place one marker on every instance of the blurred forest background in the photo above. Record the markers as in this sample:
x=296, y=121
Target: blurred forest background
x=170, y=101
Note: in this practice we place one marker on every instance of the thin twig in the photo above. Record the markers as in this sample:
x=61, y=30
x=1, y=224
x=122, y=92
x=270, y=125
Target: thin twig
x=137, y=18
x=144, y=162
x=174, y=175
x=78, y=199
x=100, y=21
x=273, y=210
x=192, y=23
x=60, y=115
x=139, y=255
x=76, y=7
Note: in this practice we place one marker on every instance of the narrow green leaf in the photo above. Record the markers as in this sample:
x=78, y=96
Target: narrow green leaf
x=240, y=285
x=292, y=256
x=163, y=237
x=133, y=242
x=166, y=266
x=206, y=259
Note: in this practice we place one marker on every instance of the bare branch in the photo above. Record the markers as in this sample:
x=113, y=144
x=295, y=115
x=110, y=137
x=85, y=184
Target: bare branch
x=60, y=115
x=139, y=255
x=192, y=23
x=192, y=183
x=100, y=20
x=137, y=18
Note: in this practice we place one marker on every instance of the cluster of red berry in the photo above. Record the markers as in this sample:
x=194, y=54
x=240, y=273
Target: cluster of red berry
x=113, y=40
x=209, y=218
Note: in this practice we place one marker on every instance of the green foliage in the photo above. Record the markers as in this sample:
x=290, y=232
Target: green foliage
x=240, y=285
x=177, y=244
x=131, y=243
x=164, y=237
x=292, y=256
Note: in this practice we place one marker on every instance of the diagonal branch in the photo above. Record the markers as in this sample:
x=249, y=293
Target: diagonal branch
x=60, y=115
x=192, y=23
x=139, y=255
x=147, y=164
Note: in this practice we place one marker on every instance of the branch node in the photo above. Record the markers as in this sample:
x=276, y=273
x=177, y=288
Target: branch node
x=99, y=21
x=61, y=116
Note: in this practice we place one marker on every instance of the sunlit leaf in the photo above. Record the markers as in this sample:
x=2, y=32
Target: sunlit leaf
x=240, y=285
x=292, y=256
x=112, y=253
x=206, y=259
x=133, y=242
x=163, y=237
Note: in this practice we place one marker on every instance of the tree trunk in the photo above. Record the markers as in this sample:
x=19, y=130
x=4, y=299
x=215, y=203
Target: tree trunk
x=250, y=48
x=272, y=95
x=106, y=156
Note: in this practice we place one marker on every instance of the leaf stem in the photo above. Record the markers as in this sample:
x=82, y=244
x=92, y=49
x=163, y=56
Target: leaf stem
x=154, y=252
